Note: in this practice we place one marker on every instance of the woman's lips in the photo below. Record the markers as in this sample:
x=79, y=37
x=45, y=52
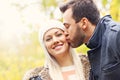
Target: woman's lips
x=58, y=47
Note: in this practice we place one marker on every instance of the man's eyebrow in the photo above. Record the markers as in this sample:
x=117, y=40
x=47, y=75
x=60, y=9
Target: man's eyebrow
x=66, y=24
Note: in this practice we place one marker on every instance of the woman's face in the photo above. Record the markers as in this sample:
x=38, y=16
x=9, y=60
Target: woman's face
x=55, y=42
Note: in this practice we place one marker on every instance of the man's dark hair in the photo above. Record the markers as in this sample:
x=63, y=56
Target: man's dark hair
x=82, y=8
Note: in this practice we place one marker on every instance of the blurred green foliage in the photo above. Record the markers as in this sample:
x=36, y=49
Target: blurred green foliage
x=14, y=65
x=114, y=8
x=82, y=49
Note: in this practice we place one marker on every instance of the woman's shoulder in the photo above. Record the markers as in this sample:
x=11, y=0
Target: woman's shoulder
x=84, y=58
x=85, y=61
x=86, y=65
x=38, y=73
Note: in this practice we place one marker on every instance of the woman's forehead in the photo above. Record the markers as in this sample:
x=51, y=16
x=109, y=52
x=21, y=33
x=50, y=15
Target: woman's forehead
x=53, y=30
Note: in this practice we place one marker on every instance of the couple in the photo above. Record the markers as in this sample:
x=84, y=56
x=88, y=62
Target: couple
x=83, y=25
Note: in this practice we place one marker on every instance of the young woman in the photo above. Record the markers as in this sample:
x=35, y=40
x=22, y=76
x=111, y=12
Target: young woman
x=62, y=63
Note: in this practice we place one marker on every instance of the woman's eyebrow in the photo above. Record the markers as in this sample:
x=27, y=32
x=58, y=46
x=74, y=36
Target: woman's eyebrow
x=56, y=32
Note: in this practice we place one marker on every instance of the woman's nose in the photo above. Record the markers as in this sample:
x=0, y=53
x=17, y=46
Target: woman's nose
x=55, y=40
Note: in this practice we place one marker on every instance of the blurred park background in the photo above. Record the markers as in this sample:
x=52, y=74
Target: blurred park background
x=19, y=24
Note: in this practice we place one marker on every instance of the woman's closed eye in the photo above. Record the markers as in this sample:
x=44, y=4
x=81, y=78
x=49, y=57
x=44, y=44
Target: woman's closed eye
x=59, y=34
x=48, y=39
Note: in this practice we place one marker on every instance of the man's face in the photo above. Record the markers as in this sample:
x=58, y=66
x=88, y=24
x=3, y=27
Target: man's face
x=75, y=33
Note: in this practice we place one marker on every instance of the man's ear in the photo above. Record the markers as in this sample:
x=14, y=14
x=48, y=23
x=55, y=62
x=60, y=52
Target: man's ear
x=84, y=23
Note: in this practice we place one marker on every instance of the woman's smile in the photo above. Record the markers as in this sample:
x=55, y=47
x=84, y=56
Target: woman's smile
x=58, y=46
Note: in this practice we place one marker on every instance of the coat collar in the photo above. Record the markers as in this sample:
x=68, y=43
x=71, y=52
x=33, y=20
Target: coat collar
x=96, y=39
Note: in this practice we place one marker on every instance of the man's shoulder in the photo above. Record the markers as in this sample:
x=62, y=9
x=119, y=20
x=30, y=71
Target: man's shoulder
x=114, y=26
x=110, y=23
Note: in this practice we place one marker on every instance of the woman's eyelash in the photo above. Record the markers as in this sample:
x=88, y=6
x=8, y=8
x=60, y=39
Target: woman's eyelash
x=59, y=34
x=48, y=39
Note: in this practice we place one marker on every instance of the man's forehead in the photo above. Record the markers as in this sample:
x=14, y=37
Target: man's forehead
x=67, y=16
x=67, y=13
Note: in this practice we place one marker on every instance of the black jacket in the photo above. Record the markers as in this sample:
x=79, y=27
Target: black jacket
x=104, y=55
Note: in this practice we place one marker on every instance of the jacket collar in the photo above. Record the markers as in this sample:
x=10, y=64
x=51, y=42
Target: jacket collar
x=95, y=40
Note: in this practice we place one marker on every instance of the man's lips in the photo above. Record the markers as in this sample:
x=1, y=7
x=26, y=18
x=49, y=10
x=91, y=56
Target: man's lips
x=68, y=38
